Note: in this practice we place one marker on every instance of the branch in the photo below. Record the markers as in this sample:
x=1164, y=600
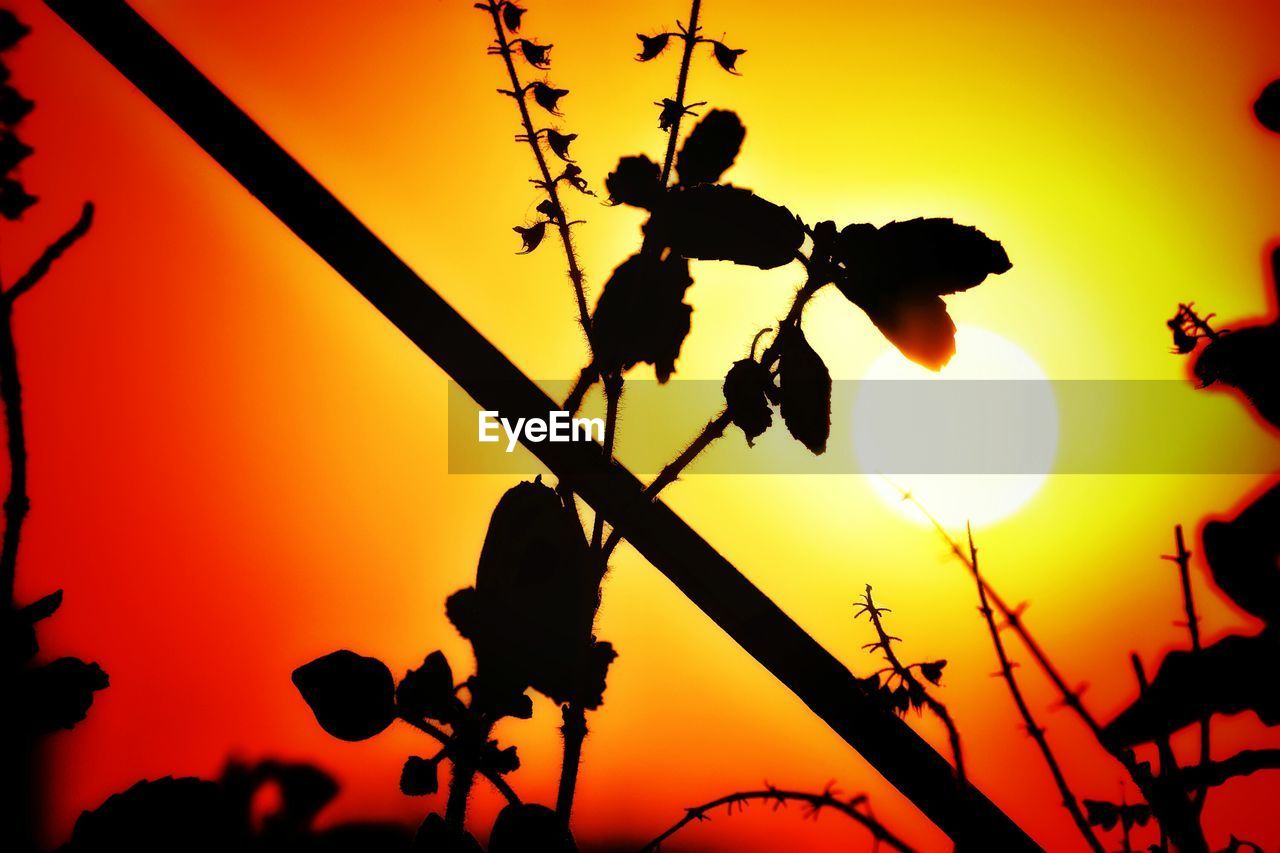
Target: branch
x=1243, y=763
x=815, y=803
x=1069, y=801
x=55, y=250
x=673, y=133
x=1182, y=558
x=450, y=747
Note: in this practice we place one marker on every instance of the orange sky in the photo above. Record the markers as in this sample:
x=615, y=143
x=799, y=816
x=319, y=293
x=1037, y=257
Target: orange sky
x=237, y=465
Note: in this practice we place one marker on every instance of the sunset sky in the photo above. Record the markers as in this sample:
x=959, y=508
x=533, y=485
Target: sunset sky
x=237, y=465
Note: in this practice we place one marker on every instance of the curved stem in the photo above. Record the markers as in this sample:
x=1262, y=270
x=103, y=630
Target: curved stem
x=815, y=802
x=574, y=730
x=548, y=180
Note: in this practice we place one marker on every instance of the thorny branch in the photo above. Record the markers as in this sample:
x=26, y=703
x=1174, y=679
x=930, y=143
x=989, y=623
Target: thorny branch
x=1182, y=558
x=815, y=803
x=690, y=36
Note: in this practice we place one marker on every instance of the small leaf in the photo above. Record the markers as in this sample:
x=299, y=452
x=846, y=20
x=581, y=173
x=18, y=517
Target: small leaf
x=746, y=395
x=652, y=46
x=548, y=97
x=12, y=30
x=805, y=387
x=726, y=56
x=711, y=148
x=43, y=608
x=352, y=697
x=418, y=777
x=428, y=691
x=531, y=235
x=635, y=182
x=1267, y=107
x=12, y=151
x=536, y=54
x=511, y=15
x=714, y=222
x=58, y=694
x=642, y=316
x=13, y=106
x=14, y=199
x=501, y=761
x=932, y=671
x=524, y=827
x=559, y=143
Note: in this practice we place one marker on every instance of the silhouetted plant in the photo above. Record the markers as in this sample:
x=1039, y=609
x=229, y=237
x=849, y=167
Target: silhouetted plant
x=39, y=698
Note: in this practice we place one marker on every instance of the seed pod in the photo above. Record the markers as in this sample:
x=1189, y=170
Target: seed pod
x=536, y=54
x=712, y=222
x=710, y=149
x=511, y=15
x=727, y=56
x=418, y=777
x=531, y=236
x=352, y=696
x=548, y=97
x=805, y=390
x=746, y=395
x=652, y=46
x=642, y=316
x=559, y=143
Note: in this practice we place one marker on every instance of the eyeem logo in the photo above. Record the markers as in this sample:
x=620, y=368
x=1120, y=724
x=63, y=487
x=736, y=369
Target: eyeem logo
x=557, y=426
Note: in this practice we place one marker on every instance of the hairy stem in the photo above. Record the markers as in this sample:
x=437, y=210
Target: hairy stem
x=548, y=180
x=574, y=731
x=903, y=672
x=1069, y=800
x=815, y=802
x=682, y=82
x=451, y=750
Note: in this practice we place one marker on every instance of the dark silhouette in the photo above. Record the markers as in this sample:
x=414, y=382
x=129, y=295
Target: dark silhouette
x=39, y=698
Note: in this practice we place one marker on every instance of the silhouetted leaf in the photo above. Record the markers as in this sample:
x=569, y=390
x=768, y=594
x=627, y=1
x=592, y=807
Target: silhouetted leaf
x=1267, y=107
x=551, y=210
x=711, y=148
x=14, y=199
x=932, y=671
x=352, y=697
x=635, y=182
x=1235, y=674
x=418, y=777
x=428, y=691
x=548, y=97
x=559, y=143
x=641, y=315
x=13, y=106
x=511, y=15
x=901, y=698
x=1244, y=557
x=535, y=599
x=652, y=46
x=572, y=175
x=1108, y=815
x=435, y=836
x=897, y=274
x=497, y=759
x=159, y=816
x=1245, y=359
x=531, y=235
x=535, y=54
x=12, y=151
x=746, y=395
x=12, y=30
x=527, y=827
x=711, y=222
x=805, y=390
x=59, y=694
x=594, y=674
x=43, y=607
x=726, y=56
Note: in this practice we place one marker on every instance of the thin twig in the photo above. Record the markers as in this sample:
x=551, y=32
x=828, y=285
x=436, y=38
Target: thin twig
x=1243, y=763
x=548, y=182
x=885, y=645
x=1069, y=800
x=55, y=250
x=1182, y=558
x=815, y=802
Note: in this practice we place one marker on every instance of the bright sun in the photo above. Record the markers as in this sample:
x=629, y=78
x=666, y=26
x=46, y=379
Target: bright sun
x=903, y=436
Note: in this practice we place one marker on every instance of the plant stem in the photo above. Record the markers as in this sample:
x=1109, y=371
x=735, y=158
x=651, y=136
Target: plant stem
x=938, y=709
x=1069, y=800
x=1182, y=558
x=574, y=730
x=451, y=749
x=470, y=740
x=690, y=41
x=815, y=802
x=612, y=396
x=531, y=134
